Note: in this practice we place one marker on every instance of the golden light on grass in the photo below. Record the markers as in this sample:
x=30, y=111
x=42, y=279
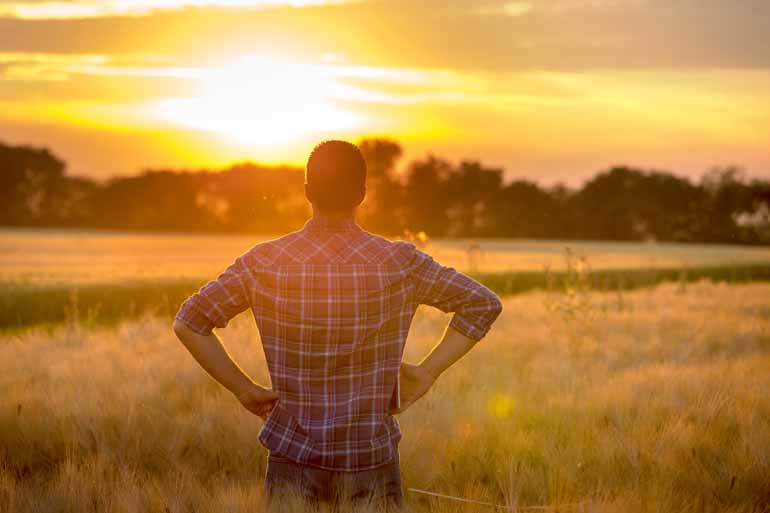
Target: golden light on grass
x=466, y=427
x=500, y=405
x=667, y=408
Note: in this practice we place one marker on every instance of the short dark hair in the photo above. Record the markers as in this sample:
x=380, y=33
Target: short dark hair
x=335, y=176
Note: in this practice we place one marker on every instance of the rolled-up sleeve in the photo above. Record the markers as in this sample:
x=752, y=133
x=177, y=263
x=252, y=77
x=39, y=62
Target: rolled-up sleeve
x=217, y=301
x=475, y=307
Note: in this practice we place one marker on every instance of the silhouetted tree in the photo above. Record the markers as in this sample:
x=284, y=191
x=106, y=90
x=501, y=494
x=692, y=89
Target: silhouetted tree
x=473, y=195
x=154, y=200
x=71, y=205
x=431, y=195
x=725, y=195
x=756, y=219
x=426, y=197
x=381, y=210
x=527, y=211
x=30, y=180
x=260, y=199
x=629, y=204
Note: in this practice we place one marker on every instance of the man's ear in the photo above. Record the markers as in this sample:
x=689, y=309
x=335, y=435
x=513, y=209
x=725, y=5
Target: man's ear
x=309, y=192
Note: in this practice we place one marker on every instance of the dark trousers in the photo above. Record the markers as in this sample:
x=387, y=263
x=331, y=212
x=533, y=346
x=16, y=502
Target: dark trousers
x=380, y=486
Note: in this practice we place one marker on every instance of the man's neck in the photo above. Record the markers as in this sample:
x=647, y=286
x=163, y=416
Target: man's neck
x=345, y=215
x=333, y=222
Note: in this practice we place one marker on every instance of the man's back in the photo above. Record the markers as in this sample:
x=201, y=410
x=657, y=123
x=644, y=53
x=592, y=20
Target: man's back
x=333, y=304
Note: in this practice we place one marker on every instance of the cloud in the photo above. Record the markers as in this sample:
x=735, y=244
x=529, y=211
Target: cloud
x=98, y=9
x=101, y=79
x=556, y=35
x=506, y=9
x=42, y=67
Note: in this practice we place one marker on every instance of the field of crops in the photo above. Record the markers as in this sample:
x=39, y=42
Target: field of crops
x=625, y=378
x=50, y=276
x=47, y=257
x=647, y=401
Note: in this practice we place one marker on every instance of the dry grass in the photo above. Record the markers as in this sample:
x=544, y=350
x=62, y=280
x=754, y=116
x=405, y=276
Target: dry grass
x=651, y=401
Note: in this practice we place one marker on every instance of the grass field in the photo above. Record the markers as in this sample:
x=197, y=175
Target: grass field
x=48, y=257
x=54, y=276
x=647, y=401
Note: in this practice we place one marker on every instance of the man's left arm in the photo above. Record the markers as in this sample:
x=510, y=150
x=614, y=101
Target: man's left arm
x=213, y=306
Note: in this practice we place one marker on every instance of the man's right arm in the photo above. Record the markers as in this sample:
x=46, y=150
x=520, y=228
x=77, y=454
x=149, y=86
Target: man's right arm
x=475, y=308
x=416, y=380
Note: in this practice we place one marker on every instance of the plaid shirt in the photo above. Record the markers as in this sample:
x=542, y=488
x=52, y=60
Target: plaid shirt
x=333, y=304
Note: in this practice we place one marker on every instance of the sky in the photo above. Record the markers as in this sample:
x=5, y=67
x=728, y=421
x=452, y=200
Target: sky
x=550, y=90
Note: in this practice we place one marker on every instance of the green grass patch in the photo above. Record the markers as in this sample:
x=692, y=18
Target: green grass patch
x=24, y=305
x=516, y=282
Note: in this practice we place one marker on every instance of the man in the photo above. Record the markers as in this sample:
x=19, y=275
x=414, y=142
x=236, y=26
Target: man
x=333, y=304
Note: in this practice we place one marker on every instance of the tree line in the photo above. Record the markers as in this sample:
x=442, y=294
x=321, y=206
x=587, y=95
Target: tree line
x=431, y=194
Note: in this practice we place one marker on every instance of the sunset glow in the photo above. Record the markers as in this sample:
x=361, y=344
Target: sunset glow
x=262, y=102
x=204, y=83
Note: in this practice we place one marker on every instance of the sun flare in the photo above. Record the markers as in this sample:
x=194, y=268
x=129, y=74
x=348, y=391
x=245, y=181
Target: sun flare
x=260, y=101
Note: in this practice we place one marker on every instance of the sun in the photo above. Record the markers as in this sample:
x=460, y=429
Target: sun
x=260, y=101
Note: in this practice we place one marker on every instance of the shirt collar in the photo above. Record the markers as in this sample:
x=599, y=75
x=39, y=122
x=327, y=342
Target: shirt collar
x=323, y=224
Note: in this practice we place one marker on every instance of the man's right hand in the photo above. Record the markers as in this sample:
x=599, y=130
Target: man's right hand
x=415, y=381
x=258, y=400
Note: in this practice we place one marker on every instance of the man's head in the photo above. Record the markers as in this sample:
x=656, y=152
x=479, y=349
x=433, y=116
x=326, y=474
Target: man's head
x=335, y=177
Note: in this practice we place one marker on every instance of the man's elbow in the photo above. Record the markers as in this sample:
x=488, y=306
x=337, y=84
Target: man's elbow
x=495, y=306
x=180, y=329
